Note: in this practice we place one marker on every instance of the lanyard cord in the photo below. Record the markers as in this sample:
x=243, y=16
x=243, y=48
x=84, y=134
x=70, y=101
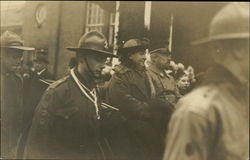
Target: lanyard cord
x=80, y=85
x=102, y=104
x=105, y=105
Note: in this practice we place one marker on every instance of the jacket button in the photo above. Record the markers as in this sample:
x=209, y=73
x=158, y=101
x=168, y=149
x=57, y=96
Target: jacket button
x=66, y=117
x=82, y=147
x=42, y=121
x=44, y=113
x=189, y=149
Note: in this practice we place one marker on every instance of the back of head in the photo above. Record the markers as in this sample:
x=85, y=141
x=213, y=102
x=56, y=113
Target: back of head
x=229, y=37
x=229, y=29
x=229, y=23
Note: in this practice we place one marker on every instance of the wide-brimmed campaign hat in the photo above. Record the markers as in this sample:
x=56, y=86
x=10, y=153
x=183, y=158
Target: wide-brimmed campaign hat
x=134, y=45
x=13, y=41
x=231, y=22
x=92, y=43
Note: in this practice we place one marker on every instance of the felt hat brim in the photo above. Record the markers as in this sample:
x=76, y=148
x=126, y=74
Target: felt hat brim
x=19, y=48
x=88, y=50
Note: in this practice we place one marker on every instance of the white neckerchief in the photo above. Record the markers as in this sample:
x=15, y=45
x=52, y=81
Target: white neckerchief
x=92, y=93
x=39, y=73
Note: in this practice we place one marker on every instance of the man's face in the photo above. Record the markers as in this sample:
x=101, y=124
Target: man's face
x=39, y=65
x=138, y=58
x=12, y=59
x=183, y=82
x=163, y=61
x=96, y=64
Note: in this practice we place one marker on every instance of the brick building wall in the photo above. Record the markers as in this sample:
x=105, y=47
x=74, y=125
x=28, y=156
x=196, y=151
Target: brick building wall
x=62, y=27
x=12, y=16
x=44, y=36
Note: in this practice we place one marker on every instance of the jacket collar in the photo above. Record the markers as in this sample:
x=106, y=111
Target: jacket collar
x=136, y=78
x=152, y=67
x=219, y=75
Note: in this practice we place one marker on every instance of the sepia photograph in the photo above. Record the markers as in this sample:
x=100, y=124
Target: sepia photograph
x=124, y=80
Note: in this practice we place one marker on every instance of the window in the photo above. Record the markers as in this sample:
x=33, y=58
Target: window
x=100, y=20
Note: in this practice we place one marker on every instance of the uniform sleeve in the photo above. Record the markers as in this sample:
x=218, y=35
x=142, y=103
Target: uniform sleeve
x=37, y=145
x=189, y=136
x=120, y=96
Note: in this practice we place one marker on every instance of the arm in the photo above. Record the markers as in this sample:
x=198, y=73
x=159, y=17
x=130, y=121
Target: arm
x=189, y=136
x=120, y=96
x=38, y=139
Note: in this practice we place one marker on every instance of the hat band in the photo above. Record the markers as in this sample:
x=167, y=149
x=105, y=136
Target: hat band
x=15, y=44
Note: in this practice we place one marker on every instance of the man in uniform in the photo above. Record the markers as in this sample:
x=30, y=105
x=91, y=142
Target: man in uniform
x=11, y=92
x=66, y=120
x=130, y=90
x=211, y=122
x=160, y=62
x=34, y=86
x=165, y=89
x=41, y=64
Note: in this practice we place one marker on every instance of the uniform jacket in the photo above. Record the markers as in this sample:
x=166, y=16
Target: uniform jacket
x=211, y=122
x=11, y=111
x=33, y=91
x=162, y=82
x=64, y=125
x=129, y=90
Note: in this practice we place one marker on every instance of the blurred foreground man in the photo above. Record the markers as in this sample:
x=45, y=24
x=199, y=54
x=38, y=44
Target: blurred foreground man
x=66, y=121
x=211, y=122
x=11, y=92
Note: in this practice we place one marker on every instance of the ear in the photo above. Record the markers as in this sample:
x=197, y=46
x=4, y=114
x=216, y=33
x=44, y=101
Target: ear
x=238, y=53
x=130, y=56
x=81, y=60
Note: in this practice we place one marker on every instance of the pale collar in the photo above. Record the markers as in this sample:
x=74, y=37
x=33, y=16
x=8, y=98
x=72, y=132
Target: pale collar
x=155, y=69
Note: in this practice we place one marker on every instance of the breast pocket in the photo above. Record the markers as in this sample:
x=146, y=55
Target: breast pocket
x=65, y=124
x=66, y=113
x=66, y=110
